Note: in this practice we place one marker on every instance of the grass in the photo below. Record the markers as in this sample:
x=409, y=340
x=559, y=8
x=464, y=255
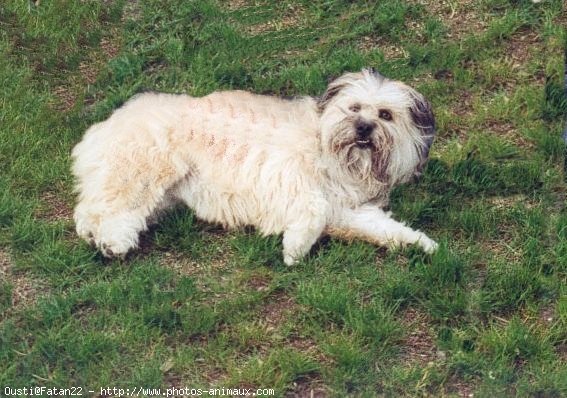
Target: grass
x=202, y=307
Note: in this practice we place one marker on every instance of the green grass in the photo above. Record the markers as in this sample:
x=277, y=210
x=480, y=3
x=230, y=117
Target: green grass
x=202, y=307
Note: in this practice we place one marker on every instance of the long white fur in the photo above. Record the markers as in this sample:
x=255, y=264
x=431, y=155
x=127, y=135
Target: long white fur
x=238, y=158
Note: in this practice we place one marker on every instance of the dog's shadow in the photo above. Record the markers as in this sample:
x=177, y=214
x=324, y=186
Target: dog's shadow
x=444, y=187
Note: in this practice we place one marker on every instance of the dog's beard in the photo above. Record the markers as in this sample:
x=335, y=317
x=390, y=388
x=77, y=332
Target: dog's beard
x=363, y=159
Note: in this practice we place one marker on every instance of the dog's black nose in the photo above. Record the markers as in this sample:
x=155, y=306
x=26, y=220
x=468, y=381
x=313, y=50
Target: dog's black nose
x=364, y=128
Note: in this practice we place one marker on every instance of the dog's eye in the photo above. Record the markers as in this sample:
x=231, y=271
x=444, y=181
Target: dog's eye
x=354, y=107
x=385, y=114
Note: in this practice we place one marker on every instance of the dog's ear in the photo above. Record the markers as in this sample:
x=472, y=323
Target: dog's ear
x=422, y=117
x=332, y=90
x=375, y=73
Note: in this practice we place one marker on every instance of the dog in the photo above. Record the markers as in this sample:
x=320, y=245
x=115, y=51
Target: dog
x=303, y=167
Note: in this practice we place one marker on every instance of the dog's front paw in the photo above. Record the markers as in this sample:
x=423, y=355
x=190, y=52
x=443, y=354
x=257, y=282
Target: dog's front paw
x=113, y=251
x=116, y=248
x=289, y=260
x=428, y=245
x=118, y=235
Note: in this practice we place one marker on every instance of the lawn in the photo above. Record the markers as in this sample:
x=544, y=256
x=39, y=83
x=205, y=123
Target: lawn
x=201, y=307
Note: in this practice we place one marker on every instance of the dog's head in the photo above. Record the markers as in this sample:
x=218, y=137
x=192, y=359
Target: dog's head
x=376, y=127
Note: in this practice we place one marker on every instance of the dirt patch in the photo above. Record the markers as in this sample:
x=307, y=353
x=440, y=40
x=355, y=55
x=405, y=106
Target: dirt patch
x=215, y=376
x=390, y=51
x=419, y=346
x=5, y=264
x=54, y=208
x=463, y=106
x=459, y=387
x=507, y=202
x=110, y=47
x=171, y=379
x=259, y=283
x=278, y=308
x=292, y=17
x=460, y=17
x=500, y=128
x=308, y=346
x=281, y=308
x=502, y=248
x=561, y=351
x=88, y=71
x=181, y=264
x=309, y=386
x=66, y=98
x=509, y=132
x=547, y=314
x=132, y=11
x=25, y=289
x=236, y=4
x=463, y=109
x=519, y=47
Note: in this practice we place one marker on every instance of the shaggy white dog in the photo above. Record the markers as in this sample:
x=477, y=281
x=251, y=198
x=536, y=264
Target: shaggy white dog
x=302, y=167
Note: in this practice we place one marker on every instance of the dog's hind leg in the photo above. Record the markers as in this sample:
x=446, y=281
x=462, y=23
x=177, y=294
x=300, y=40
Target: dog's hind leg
x=133, y=188
x=124, y=167
x=121, y=225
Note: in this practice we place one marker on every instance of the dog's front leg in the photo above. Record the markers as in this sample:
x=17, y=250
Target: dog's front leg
x=300, y=235
x=297, y=241
x=370, y=223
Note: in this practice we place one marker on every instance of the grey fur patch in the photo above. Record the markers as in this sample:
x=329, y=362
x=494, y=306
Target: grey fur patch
x=422, y=116
x=332, y=90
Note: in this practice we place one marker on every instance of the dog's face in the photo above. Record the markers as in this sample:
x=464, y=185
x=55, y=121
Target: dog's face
x=376, y=127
